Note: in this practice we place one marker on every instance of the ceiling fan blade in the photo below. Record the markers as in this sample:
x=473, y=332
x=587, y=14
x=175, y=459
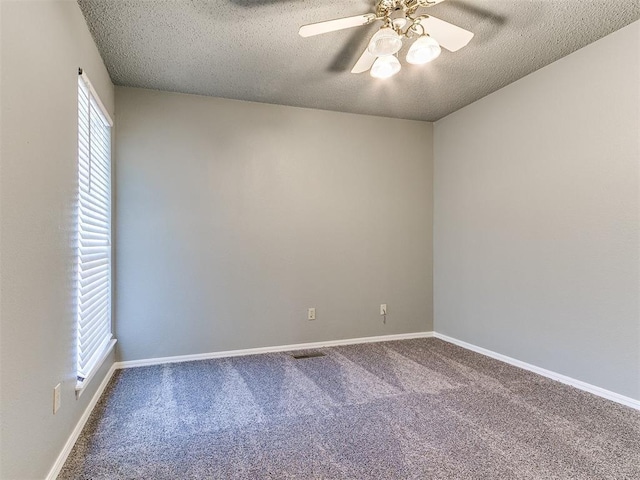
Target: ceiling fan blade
x=448, y=36
x=364, y=63
x=333, y=25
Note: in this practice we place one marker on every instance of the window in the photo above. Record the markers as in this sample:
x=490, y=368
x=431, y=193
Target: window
x=93, y=300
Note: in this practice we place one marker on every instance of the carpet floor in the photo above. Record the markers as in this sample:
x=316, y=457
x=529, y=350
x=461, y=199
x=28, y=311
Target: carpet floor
x=412, y=409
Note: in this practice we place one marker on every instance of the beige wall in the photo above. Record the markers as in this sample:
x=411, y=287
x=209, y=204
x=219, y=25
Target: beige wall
x=537, y=217
x=43, y=44
x=235, y=217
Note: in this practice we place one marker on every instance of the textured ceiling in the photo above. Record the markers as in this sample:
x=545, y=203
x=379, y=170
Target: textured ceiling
x=250, y=50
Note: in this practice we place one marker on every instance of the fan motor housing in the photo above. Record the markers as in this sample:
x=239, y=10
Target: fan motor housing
x=389, y=8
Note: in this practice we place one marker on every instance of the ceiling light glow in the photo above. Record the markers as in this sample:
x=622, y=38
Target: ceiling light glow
x=386, y=41
x=423, y=50
x=385, y=67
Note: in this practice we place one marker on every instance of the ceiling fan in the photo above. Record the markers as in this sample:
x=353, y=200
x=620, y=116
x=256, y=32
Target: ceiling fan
x=399, y=21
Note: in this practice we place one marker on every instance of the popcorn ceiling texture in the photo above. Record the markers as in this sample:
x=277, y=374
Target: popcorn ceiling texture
x=395, y=410
x=250, y=50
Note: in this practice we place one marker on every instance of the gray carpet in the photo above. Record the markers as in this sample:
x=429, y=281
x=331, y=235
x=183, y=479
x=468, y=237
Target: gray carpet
x=422, y=409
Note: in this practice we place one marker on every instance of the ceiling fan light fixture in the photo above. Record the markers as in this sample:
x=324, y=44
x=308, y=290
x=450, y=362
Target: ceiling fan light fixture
x=385, y=67
x=423, y=50
x=385, y=41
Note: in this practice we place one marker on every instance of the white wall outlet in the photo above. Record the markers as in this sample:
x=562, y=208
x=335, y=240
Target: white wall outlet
x=56, y=398
x=383, y=309
x=311, y=314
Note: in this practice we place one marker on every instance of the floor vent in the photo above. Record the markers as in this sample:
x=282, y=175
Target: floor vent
x=311, y=354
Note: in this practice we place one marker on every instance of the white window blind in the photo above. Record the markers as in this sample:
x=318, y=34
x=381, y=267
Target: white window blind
x=94, y=233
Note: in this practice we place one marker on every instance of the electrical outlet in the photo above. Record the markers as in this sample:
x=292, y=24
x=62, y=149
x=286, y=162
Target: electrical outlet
x=56, y=398
x=311, y=314
x=383, y=309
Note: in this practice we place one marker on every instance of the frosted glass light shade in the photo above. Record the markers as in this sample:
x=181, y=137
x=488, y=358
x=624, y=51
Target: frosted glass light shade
x=385, y=42
x=385, y=67
x=423, y=50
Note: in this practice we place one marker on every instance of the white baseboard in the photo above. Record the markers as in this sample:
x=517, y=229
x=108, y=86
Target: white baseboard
x=71, y=441
x=587, y=387
x=259, y=350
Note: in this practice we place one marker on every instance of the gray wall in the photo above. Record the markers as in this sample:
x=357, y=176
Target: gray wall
x=537, y=220
x=234, y=217
x=43, y=44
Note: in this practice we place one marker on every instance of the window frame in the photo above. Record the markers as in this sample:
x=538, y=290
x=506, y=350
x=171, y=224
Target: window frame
x=100, y=354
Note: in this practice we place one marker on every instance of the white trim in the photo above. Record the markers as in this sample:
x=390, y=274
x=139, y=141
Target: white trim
x=280, y=348
x=81, y=386
x=587, y=387
x=66, y=450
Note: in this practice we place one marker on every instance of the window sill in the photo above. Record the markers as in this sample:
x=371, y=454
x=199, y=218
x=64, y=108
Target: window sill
x=81, y=386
